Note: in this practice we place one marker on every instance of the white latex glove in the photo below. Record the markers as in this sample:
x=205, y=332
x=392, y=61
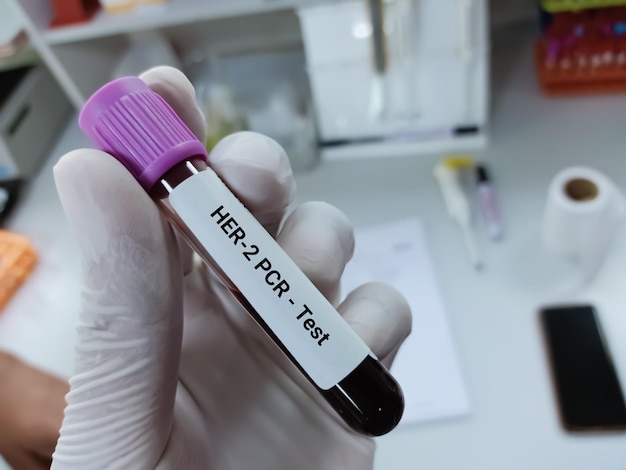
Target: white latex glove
x=171, y=372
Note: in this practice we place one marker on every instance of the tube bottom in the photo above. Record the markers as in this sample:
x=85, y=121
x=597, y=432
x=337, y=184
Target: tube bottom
x=369, y=399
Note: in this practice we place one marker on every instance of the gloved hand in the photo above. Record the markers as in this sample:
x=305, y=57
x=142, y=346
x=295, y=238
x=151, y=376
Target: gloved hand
x=171, y=372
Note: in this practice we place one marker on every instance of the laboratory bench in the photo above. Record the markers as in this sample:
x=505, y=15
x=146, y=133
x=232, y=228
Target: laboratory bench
x=513, y=423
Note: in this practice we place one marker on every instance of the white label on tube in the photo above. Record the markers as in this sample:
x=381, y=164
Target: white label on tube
x=314, y=333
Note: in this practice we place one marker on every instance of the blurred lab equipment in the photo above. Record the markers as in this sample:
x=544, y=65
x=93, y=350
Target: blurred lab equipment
x=13, y=37
x=146, y=49
x=220, y=112
x=67, y=12
x=289, y=123
x=276, y=103
x=582, y=51
x=121, y=6
x=448, y=175
x=12, y=40
x=576, y=5
x=379, y=57
x=488, y=203
x=402, y=71
x=582, y=214
x=33, y=111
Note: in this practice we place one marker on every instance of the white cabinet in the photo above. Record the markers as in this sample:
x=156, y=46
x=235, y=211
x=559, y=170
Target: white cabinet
x=340, y=32
x=439, y=93
x=436, y=79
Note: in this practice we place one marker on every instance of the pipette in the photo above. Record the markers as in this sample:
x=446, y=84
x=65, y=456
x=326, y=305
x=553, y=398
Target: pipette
x=447, y=174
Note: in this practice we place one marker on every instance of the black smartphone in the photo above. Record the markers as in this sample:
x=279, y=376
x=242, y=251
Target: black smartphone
x=586, y=384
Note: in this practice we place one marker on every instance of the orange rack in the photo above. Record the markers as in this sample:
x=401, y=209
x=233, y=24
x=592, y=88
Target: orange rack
x=557, y=81
x=17, y=260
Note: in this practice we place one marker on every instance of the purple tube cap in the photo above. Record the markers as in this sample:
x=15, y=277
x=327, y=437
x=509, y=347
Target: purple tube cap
x=134, y=124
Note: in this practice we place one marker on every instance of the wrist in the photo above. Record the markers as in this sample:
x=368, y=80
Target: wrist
x=7, y=364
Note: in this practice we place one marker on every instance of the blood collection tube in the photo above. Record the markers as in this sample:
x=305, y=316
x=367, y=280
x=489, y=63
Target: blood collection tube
x=134, y=124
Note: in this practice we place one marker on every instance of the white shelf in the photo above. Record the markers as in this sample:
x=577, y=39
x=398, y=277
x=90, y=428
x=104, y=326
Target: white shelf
x=64, y=49
x=172, y=13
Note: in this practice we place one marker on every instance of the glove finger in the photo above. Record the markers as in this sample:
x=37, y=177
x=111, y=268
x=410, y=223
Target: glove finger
x=320, y=240
x=178, y=92
x=120, y=405
x=257, y=171
x=381, y=316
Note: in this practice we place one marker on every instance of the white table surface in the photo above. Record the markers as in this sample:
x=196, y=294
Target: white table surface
x=492, y=314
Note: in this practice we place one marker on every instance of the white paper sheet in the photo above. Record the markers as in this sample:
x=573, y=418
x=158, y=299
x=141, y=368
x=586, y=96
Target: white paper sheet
x=426, y=366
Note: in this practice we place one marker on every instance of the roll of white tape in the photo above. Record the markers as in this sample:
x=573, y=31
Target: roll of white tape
x=582, y=213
